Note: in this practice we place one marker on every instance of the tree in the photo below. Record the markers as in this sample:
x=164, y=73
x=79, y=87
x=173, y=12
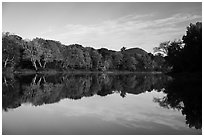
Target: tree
x=146, y=62
x=184, y=55
x=33, y=52
x=172, y=53
x=47, y=56
x=117, y=60
x=56, y=50
x=163, y=48
x=12, y=46
x=96, y=58
x=192, y=52
x=159, y=62
x=75, y=57
x=129, y=63
x=107, y=64
x=123, y=49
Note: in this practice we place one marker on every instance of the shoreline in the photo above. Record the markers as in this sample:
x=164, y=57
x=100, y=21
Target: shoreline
x=81, y=71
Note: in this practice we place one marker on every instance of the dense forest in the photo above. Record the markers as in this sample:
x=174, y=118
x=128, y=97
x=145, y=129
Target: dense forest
x=40, y=54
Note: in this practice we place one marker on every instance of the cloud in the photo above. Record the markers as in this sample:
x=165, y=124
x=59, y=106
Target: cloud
x=143, y=31
x=127, y=112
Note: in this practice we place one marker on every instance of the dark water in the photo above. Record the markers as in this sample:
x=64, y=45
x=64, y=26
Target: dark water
x=101, y=104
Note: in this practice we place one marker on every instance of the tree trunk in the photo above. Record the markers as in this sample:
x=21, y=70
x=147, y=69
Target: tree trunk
x=40, y=63
x=44, y=79
x=39, y=81
x=5, y=63
x=5, y=81
x=34, y=64
x=34, y=79
x=44, y=64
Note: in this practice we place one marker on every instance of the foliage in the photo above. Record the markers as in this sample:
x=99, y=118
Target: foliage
x=117, y=60
x=41, y=54
x=192, y=52
x=33, y=52
x=95, y=57
x=76, y=57
x=129, y=63
x=186, y=55
x=12, y=47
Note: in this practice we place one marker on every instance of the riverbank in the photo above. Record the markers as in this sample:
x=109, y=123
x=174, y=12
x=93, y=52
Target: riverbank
x=52, y=71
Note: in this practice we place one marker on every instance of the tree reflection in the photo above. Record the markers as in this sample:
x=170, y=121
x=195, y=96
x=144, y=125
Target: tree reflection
x=184, y=93
x=44, y=89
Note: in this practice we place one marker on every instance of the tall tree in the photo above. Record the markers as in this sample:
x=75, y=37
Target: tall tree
x=12, y=45
x=192, y=52
x=33, y=52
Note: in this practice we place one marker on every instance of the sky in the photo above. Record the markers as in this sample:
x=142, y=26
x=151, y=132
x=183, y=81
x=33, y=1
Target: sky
x=101, y=24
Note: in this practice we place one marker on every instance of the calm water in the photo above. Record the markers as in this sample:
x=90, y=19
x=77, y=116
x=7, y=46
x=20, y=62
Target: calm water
x=101, y=104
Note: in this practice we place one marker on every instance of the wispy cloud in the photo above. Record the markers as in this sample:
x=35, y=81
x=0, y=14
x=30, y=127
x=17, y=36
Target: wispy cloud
x=128, y=31
x=133, y=115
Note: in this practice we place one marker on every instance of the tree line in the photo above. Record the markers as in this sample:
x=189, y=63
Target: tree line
x=41, y=54
x=39, y=89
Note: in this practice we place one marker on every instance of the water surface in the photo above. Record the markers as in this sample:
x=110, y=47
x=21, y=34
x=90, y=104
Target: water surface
x=100, y=104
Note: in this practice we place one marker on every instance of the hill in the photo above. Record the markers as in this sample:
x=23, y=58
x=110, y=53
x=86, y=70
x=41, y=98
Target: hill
x=138, y=51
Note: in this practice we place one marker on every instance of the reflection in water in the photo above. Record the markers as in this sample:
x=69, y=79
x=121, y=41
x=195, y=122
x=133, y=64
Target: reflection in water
x=185, y=94
x=46, y=89
x=38, y=89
